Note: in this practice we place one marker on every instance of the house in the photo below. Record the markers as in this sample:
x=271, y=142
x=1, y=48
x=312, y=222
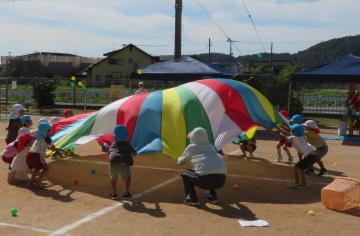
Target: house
x=45, y=64
x=117, y=66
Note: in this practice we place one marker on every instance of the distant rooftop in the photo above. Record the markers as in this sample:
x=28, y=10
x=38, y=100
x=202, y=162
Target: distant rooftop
x=51, y=54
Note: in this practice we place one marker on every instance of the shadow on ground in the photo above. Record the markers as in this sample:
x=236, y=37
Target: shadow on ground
x=252, y=181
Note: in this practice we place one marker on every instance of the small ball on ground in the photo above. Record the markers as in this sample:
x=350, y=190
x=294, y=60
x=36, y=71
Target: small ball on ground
x=13, y=212
x=76, y=182
x=310, y=212
x=93, y=171
x=235, y=186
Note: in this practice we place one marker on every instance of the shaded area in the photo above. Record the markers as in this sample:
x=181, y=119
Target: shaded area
x=253, y=181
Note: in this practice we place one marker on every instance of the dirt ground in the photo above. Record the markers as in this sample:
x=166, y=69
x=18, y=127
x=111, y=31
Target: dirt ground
x=255, y=189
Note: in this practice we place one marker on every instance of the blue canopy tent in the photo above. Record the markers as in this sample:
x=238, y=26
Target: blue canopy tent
x=344, y=70
x=185, y=68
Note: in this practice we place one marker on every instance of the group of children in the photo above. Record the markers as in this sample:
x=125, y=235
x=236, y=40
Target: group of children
x=25, y=150
x=311, y=148
x=304, y=137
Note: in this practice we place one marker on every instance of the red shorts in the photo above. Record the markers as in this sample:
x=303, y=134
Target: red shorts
x=34, y=162
x=7, y=159
x=282, y=141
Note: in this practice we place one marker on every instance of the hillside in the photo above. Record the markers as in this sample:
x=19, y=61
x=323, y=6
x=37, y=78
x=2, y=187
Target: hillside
x=316, y=55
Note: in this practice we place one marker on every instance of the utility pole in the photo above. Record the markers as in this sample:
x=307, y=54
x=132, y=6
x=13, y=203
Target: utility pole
x=209, y=51
x=229, y=40
x=178, y=12
x=271, y=56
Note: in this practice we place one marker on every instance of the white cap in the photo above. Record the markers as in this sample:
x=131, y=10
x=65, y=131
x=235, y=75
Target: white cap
x=310, y=124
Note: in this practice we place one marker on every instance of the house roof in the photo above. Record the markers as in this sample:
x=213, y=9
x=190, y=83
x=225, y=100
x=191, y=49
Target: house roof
x=109, y=54
x=184, y=68
x=51, y=54
x=344, y=69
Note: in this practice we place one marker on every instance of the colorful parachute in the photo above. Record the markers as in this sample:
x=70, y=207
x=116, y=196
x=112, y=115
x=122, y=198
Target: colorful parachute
x=160, y=121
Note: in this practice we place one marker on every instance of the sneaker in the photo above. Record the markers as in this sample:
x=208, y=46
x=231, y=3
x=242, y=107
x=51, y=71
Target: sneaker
x=190, y=202
x=212, y=199
x=251, y=155
x=279, y=159
x=126, y=196
x=290, y=161
x=309, y=171
x=113, y=196
x=322, y=171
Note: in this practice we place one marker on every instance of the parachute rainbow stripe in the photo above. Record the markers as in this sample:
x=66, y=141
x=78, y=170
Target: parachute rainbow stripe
x=160, y=121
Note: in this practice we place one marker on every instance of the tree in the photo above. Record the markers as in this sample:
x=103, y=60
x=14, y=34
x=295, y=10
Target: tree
x=43, y=91
x=275, y=87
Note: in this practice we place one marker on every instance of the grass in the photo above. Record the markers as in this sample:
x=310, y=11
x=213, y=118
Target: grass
x=325, y=122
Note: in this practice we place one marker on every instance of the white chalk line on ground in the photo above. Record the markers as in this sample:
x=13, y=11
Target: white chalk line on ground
x=25, y=227
x=229, y=175
x=63, y=230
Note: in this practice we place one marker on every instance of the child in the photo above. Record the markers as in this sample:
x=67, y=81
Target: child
x=27, y=122
x=247, y=145
x=68, y=113
x=312, y=136
x=9, y=153
x=121, y=158
x=209, y=170
x=17, y=111
x=19, y=169
x=304, y=148
x=36, y=156
x=54, y=119
x=284, y=132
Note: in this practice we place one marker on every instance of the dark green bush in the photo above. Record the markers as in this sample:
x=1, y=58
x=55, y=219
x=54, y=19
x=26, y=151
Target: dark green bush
x=44, y=93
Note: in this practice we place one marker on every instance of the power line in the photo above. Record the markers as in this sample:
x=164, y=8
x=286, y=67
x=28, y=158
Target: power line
x=213, y=20
x=228, y=39
x=253, y=24
x=6, y=1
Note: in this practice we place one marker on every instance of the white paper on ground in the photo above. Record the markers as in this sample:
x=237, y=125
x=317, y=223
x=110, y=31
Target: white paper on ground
x=256, y=223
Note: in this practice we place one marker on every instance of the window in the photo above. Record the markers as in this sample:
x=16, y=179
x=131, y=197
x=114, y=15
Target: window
x=98, y=78
x=130, y=60
x=115, y=61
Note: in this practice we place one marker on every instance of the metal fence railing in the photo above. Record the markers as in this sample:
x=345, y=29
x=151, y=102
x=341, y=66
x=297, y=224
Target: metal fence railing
x=66, y=96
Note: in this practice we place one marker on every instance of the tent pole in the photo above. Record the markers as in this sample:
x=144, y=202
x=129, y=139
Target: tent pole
x=289, y=98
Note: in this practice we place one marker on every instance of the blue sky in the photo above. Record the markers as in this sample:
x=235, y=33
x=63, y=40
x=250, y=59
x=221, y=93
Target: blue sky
x=92, y=27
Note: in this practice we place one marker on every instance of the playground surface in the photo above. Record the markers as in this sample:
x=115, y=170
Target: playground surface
x=255, y=189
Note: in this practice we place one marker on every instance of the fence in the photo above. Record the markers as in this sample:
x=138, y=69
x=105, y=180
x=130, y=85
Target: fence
x=66, y=96
x=322, y=98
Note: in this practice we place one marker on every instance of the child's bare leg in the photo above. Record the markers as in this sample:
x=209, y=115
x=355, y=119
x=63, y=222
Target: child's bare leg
x=302, y=177
x=33, y=176
x=321, y=164
x=127, y=185
x=243, y=149
x=113, y=185
x=11, y=176
x=296, y=175
x=43, y=173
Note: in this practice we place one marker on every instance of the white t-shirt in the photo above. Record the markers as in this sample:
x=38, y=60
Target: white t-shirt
x=301, y=145
x=20, y=166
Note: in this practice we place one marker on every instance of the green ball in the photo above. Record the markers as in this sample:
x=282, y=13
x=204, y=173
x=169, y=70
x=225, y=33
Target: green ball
x=13, y=212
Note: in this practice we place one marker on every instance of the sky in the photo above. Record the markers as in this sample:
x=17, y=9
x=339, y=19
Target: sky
x=92, y=27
